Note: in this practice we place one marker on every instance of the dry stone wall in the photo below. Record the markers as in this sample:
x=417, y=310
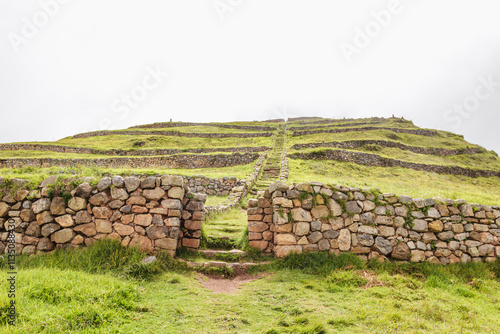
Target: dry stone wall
x=172, y=161
x=212, y=186
x=314, y=217
x=241, y=189
x=420, y=132
x=225, y=126
x=172, y=133
x=141, y=152
x=152, y=213
x=376, y=160
x=384, y=143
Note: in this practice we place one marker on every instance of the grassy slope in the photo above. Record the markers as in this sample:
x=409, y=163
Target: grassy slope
x=37, y=175
x=397, y=180
x=312, y=293
x=228, y=224
x=158, y=142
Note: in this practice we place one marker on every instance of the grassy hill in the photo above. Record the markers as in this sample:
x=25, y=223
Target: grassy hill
x=390, y=139
x=307, y=293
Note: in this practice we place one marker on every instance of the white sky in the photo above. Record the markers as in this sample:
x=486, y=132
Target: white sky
x=265, y=59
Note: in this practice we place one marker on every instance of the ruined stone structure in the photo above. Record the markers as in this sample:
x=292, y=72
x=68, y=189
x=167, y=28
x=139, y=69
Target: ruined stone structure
x=314, y=217
x=152, y=213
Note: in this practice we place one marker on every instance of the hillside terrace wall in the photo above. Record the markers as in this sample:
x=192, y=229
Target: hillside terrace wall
x=212, y=186
x=172, y=161
x=241, y=189
x=312, y=127
x=152, y=213
x=314, y=217
x=385, y=143
x=226, y=126
x=145, y=152
x=172, y=133
x=376, y=160
x=421, y=132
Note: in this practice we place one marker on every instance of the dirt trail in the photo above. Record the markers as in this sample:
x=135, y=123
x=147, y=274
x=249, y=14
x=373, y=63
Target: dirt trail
x=224, y=285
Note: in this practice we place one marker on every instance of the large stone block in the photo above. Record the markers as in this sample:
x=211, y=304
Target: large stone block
x=48, y=229
x=320, y=211
x=167, y=243
x=192, y=224
x=88, y=229
x=65, y=221
x=353, y=207
x=123, y=230
x=420, y=225
x=302, y=228
x=154, y=194
x=260, y=244
x=119, y=194
x=99, y=199
x=257, y=227
x=141, y=242
x=77, y=204
x=103, y=226
x=44, y=218
x=383, y=246
x=173, y=221
x=285, y=239
x=174, y=204
x=172, y=180
x=62, y=236
x=334, y=207
x=282, y=251
x=143, y=220
x=176, y=192
x=58, y=206
x=191, y=243
x=344, y=240
x=41, y=205
x=101, y=212
x=4, y=209
x=300, y=215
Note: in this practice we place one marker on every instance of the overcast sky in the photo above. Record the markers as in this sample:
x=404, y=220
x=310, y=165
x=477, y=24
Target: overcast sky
x=79, y=65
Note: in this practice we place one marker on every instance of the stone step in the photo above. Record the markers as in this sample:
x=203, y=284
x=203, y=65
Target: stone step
x=213, y=252
x=237, y=267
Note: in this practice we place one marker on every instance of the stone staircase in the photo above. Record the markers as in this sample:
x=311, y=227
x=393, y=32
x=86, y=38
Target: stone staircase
x=271, y=170
x=239, y=267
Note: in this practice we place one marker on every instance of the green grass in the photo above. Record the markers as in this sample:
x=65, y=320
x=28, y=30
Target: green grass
x=197, y=129
x=126, y=142
x=445, y=140
x=37, y=175
x=215, y=200
x=24, y=154
x=228, y=224
x=482, y=161
x=314, y=293
x=397, y=180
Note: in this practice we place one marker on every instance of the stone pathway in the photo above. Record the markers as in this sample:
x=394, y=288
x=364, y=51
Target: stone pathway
x=272, y=170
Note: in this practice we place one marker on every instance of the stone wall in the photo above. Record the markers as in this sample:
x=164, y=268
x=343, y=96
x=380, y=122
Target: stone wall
x=312, y=217
x=212, y=186
x=172, y=161
x=225, y=126
x=385, y=143
x=376, y=160
x=420, y=132
x=172, y=133
x=240, y=190
x=313, y=127
x=152, y=213
x=141, y=152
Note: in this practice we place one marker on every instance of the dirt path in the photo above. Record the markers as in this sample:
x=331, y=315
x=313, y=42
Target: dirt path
x=224, y=285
